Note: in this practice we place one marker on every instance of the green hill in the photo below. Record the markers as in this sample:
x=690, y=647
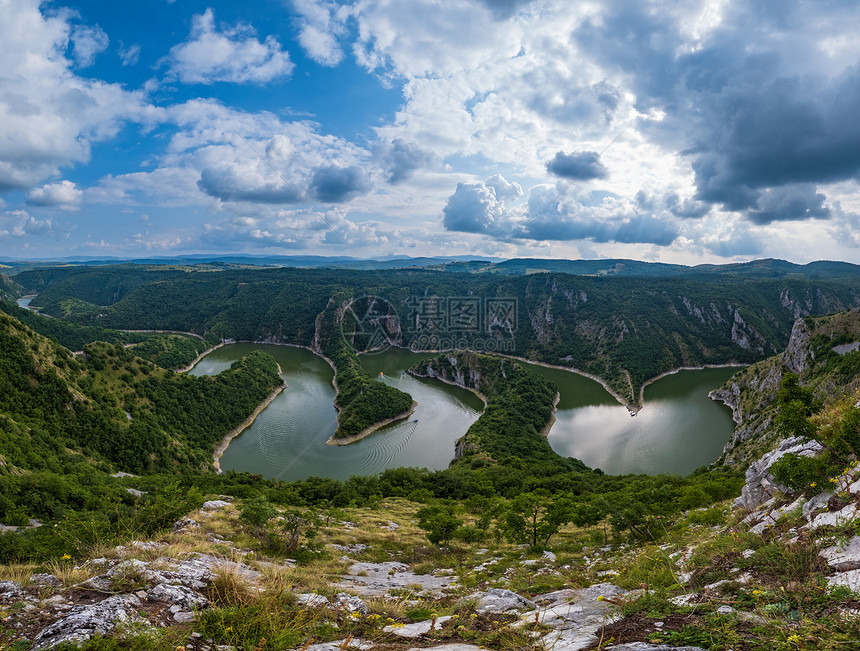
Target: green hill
x=65, y=420
x=622, y=329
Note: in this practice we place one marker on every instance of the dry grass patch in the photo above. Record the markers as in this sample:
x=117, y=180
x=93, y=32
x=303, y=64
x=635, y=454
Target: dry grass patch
x=69, y=574
x=19, y=572
x=231, y=587
x=316, y=577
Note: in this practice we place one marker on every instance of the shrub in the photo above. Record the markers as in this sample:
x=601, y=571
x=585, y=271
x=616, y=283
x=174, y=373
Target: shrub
x=800, y=473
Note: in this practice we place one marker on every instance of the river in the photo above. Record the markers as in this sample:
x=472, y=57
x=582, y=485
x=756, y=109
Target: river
x=679, y=429
x=287, y=441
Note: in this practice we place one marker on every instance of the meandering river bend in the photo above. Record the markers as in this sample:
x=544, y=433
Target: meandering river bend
x=679, y=429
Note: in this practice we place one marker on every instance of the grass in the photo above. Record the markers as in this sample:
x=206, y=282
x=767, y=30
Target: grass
x=786, y=604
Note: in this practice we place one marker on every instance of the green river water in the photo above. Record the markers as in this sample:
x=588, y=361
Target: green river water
x=679, y=429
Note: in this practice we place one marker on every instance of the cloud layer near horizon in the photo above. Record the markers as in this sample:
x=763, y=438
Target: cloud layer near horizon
x=687, y=132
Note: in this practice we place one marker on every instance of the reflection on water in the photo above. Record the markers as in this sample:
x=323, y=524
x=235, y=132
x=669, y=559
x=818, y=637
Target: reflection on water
x=287, y=441
x=679, y=429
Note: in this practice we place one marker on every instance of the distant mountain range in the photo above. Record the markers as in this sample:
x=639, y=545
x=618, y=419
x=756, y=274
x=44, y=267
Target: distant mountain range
x=768, y=268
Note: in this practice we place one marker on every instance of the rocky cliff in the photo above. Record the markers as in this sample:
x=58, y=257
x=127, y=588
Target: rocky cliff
x=820, y=352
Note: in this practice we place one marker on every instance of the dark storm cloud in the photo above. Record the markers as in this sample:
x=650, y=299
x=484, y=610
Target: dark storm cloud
x=686, y=209
x=752, y=117
x=579, y=165
x=504, y=8
x=788, y=131
x=227, y=184
x=403, y=158
x=791, y=203
x=637, y=41
x=335, y=184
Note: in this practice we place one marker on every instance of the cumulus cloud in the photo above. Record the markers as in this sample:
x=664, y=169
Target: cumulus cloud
x=19, y=223
x=579, y=165
x=612, y=220
x=787, y=132
x=334, y=184
x=87, y=43
x=232, y=54
x=476, y=208
x=400, y=160
x=504, y=189
x=686, y=208
x=230, y=161
x=790, y=203
x=760, y=100
x=320, y=24
x=232, y=182
x=64, y=194
x=480, y=207
x=49, y=116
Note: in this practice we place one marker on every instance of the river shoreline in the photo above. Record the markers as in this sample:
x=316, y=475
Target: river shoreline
x=450, y=383
x=544, y=432
x=229, y=342
x=621, y=400
x=678, y=370
x=631, y=407
x=367, y=431
x=546, y=428
x=245, y=424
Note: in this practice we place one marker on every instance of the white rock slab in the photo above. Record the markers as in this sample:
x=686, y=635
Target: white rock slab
x=416, y=629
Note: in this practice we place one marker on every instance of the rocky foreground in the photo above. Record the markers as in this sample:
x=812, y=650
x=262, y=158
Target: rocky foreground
x=376, y=585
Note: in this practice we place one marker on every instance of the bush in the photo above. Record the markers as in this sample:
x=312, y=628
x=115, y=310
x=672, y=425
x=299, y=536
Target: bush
x=440, y=523
x=800, y=473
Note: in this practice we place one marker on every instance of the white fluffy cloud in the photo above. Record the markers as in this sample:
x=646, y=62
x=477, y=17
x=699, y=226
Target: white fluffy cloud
x=49, y=116
x=231, y=54
x=64, y=194
x=20, y=224
x=87, y=43
x=320, y=25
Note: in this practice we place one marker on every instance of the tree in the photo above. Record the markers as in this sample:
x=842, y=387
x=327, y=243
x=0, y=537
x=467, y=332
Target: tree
x=256, y=513
x=535, y=517
x=440, y=523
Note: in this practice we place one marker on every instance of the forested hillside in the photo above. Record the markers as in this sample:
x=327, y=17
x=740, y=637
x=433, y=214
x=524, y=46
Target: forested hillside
x=166, y=350
x=624, y=330
x=519, y=406
x=9, y=289
x=63, y=417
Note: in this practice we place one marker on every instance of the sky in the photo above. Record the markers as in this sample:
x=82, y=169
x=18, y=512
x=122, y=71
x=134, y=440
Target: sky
x=673, y=131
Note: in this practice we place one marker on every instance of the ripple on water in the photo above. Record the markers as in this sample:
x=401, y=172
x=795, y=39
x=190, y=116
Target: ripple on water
x=679, y=429
x=287, y=441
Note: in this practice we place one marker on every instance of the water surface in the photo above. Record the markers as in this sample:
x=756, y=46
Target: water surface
x=287, y=441
x=679, y=429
